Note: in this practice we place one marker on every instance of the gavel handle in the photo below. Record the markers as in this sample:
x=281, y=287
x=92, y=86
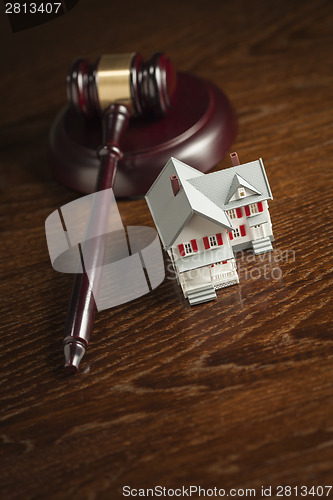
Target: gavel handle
x=82, y=306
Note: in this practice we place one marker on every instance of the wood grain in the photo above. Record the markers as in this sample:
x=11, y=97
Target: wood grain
x=235, y=393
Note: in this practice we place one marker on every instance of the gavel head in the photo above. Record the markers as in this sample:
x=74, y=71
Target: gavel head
x=143, y=87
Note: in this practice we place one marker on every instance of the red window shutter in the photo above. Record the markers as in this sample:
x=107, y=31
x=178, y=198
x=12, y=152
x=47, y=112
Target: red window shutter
x=194, y=245
x=260, y=208
x=206, y=242
x=239, y=212
x=219, y=239
x=181, y=250
x=242, y=230
x=247, y=210
x=224, y=262
x=231, y=236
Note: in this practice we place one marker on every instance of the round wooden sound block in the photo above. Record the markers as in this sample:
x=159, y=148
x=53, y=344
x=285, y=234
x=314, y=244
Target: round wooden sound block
x=198, y=130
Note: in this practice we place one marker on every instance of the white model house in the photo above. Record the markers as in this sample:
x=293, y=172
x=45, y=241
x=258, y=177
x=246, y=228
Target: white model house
x=203, y=218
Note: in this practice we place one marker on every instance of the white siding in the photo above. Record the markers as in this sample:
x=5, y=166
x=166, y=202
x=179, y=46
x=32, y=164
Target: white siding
x=197, y=228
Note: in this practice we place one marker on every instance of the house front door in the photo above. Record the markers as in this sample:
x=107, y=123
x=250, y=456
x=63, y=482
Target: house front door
x=257, y=232
x=196, y=278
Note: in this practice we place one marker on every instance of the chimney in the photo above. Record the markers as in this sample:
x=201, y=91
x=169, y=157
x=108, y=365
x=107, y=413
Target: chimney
x=174, y=184
x=234, y=159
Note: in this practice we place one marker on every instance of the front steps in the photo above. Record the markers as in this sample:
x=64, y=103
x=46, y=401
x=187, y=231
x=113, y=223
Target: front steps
x=202, y=294
x=261, y=246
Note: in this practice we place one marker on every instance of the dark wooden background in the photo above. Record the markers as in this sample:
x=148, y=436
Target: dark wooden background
x=236, y=393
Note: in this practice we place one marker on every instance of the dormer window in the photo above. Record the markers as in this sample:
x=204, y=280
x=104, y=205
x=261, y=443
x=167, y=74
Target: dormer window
x=239, y=189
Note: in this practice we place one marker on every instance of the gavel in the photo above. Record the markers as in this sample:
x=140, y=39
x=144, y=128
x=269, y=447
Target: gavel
x=145, y=88
x=115, y=87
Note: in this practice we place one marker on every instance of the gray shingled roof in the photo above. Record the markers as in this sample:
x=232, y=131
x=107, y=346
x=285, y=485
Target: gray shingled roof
x=204, y=194
x=237, y=182
x=205, y=258
x=216, y=186
x=171, y=213
x=255, y=220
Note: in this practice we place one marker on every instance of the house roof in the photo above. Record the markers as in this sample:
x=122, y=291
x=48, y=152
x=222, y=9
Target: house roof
x=203, y=194
x=217, y=185
x=255, y=220
x=171, y=213
x=237, y=182
x=205, y=258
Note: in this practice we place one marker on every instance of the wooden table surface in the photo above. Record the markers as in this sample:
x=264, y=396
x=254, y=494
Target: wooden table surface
x=235, y=393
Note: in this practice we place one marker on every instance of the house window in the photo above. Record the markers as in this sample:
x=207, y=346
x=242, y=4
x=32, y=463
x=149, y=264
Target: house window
x=253, y=208
x=231, y=213
x=241, y=192
x=212, y=241
x=188, y=248
x=236, y=232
